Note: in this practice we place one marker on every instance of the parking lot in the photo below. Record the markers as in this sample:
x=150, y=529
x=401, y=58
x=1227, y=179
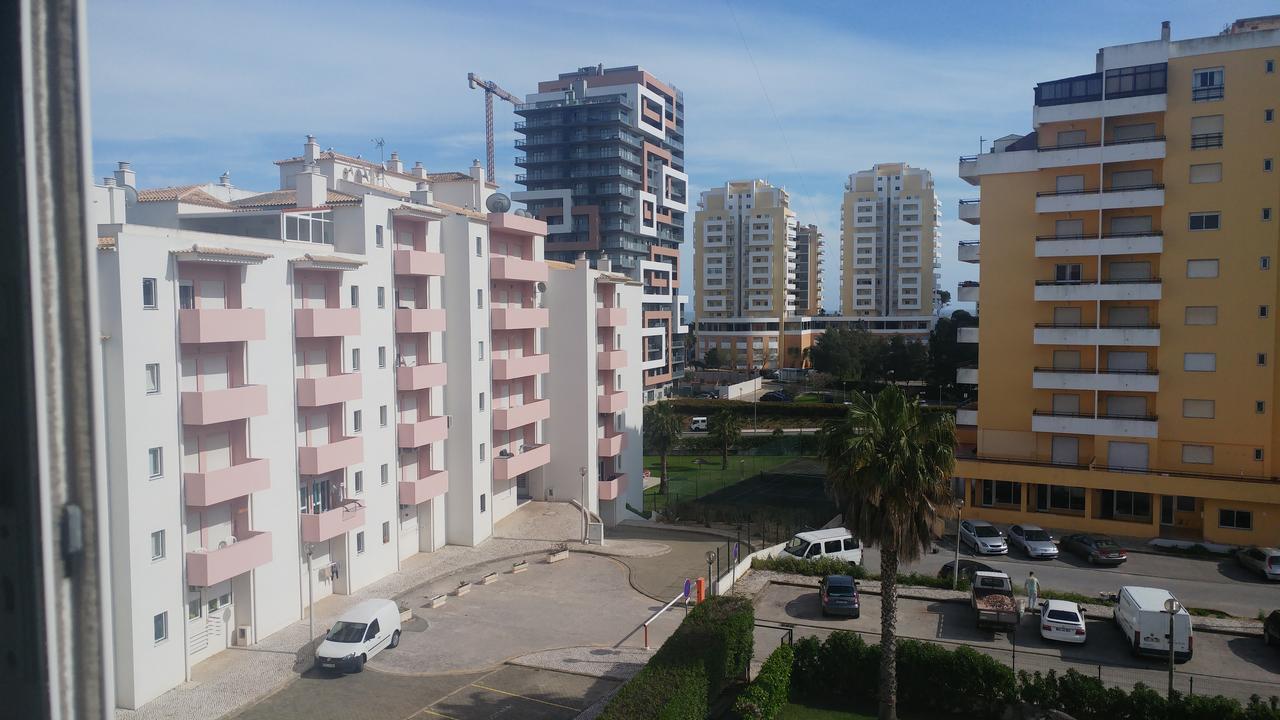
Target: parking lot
x=1229, y=665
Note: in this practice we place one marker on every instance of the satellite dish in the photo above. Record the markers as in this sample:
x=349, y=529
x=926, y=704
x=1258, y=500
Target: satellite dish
x=542, y=287
x=498, y=203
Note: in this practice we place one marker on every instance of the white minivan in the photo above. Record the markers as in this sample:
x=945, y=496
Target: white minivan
x=831, y=543
x=698, y=424
x=1140, y=614
x=361, y=632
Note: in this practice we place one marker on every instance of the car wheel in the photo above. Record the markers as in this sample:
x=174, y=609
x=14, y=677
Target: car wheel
x=1093, y=560
x=359, y=667
x=1266, y=639
x=395, y=639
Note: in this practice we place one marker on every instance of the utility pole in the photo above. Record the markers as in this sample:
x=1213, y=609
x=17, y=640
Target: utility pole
x=311, y=604
x=490, y=89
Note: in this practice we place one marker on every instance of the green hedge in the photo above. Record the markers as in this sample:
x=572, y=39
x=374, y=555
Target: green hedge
x=694, y=406
x=662, y=692
x=1086, y=698
x=770, y=691
x=823, y=567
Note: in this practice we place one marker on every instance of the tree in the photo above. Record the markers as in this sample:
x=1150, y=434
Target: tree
x=725, y=429
x=713, y=359
x=946, y=353
x=662, y=429
x=942, y=298
x=843, y=352
x=888, y=470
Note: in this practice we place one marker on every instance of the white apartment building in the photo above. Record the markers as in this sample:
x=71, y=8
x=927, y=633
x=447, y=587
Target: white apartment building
x=278, y=423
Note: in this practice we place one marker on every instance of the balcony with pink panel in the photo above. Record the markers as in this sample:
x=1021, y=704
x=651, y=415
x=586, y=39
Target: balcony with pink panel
x=419, y=320
x=318, y=527
x=326, y=322
x=218, y=325
x=612, y=359
x=612, y=487
x=510, y=418
x=211, y=487
x=611, y=317
x=530, y=458
x=512, y=368
x=423, y=432
x=421, y=377
x=519, y=318
x=506, y=267
x=419, y=262
x=231, y=558
x=611, y=445
x=431, y=484
x=613, y=402
x=329, y=390
x=321, y=459
x=206, y=407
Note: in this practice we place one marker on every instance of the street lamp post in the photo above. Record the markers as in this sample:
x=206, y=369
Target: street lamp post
x=955, y=566
x=1173, y=607
x=583, y=472
x=311, y=606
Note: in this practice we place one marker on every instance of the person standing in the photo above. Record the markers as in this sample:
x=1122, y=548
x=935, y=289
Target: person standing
x=1032, y=586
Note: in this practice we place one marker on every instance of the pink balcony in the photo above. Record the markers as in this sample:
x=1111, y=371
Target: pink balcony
x=214, y=406
x=326, y=322
x=423, y=432
x=520, y=318
x=419, y=262
x=611, y=317
x=419, y=320
x=315, y=392
x=419, y=377
x=415, y=492
x=512, y=223
x=611, y=445
x=225, y=325
x=612, y=359
x=519, y=367
x=512, y=467
x=505, y=267
x=318, y=527
x=216, y=565
x=210, y=488
x=613, y=487
x=612, y=402
x=321, y=459
x=513, y=417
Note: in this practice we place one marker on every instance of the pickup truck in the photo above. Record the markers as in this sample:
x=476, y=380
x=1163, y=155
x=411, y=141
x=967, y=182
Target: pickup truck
x=993, y=601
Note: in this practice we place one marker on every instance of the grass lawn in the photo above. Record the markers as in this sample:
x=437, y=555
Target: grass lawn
x=801, y=712
x=689, y=479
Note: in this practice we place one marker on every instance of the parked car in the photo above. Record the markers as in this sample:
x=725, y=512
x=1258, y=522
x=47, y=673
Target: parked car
x=1062, y=621
x=361, y=632
x=1271, y=629
x=698, y=424
x=776, y=396
x=1097, y=549
x=839, y=596
x=1034, y=541
x=1264, y=561
x=992, y=599
x=1140, y=614
x=967, y=569
x=833, y=542
x=983, y=537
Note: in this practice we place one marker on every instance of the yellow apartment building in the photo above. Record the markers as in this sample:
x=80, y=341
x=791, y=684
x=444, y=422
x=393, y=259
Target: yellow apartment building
x=1128, y=354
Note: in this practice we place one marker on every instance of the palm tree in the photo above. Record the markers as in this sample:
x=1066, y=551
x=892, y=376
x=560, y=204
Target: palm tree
x=888, y=468
x=725, y=428
x=662, y=429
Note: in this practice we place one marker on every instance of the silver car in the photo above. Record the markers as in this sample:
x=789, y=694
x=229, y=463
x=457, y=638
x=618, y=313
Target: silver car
x=1263, y=560
x=1034, y=541
x=983, y=537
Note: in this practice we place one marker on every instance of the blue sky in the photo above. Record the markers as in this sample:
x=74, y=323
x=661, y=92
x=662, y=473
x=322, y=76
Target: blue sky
x=186, y=90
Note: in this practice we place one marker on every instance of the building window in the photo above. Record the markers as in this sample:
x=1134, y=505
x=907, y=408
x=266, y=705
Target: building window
x=149, y=293
x=1266, y=214
x=155, y=462
x=382, y=296
x=1199, y=362
x=482, y=452
x=1205, y=220
x=479, y=247
x=1260, y=406
x=160, y=627
x=1197, y=408
x=1271, y=66
x=482, y=499
x=1268, y=115
x=1257, y=454
x=1207, y=84
x=1266, y=164
x=479, y=299
x=1264, y=262
x=386, y=533
x=157, y=545
x=1262, y=359
x=480, y=350
x=355, y=296
x=194, y=609
x=153, y=378
x=357, y=421
x=1202, y=268
x=355, y=359
x=481, y=402
x=1235, y=519
x=1264, y=311
x=1202, y=315
x=1206, y=173
x=358, y=481
x=1059, y=498
x=384, y=474
x=377, y=236
x=360, y=543
x=382, y=416
x=1197, y=454
x=382, y=356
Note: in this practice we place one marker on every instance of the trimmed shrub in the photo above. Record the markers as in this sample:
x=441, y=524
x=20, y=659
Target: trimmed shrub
x=719, y=634
x=769, y=692
x=821, y=567
x=662, y=692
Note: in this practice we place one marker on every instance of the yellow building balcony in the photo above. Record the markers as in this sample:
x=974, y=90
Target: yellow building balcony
x=968, y=251
x=967, y=375
x=1138, y=243
x=970, y=211
x=967, y=334
x=1062, y=423
x=967, y=291
x=1060, y=201
x=1088, y=379
x=1122, y=335
x=1087, y=291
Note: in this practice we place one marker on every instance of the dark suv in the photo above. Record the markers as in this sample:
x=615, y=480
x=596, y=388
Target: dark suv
x=839, y=596
x=1271, y=629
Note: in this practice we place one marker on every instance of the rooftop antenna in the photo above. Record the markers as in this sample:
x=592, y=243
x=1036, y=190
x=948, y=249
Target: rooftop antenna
x=381, y=149
x=981, y=141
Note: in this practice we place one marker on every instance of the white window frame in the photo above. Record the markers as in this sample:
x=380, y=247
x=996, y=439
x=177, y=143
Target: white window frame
x=153, y=378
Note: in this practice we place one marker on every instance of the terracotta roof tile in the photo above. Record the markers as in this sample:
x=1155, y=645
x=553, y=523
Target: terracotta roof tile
x=430, y=177
x=191, y=194
x=286, y=198
x=222, y=252
x=328, y=260
x=106, y=243
x=461, y=210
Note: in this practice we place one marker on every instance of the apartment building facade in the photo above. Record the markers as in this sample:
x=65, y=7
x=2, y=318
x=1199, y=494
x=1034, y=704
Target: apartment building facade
x=810, y=252
x=745, y=271
x=1127, y=350
x=889, y=241
x=307, y=386
x=604, y=161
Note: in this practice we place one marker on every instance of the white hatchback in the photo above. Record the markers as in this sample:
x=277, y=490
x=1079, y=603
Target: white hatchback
x=1062, y=621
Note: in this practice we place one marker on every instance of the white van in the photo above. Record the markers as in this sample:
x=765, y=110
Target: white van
x=698, y=424
x=1140, y=614
x=361, y=632
x=832, y=543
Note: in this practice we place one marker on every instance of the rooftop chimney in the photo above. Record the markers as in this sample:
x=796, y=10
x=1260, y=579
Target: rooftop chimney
x=394, y=164
x=418, y=170
x=311, y=151
x=109, y=181
x=422, y=194
x=477, y=172
x=604, y=264
x=125, y=174
x=312, y=187
x=1165, y=31
x=225, y=180
x=581, y=261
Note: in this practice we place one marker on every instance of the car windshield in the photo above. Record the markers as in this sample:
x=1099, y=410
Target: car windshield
x=1037, y=535
x=839, y=590
x=986, y=531
x=1065, y=616
x=796, y=546
x=1274, y=561
x=347, y=632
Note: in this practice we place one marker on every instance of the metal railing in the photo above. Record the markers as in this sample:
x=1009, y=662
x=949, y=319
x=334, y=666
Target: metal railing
x=1093, y=416
x=1104, y=236
x=1214, y=92
x=1206, y=140
x=1095, y=371
x=1124, y=281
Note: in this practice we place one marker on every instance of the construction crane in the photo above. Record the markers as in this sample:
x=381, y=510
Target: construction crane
x=490, y=89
